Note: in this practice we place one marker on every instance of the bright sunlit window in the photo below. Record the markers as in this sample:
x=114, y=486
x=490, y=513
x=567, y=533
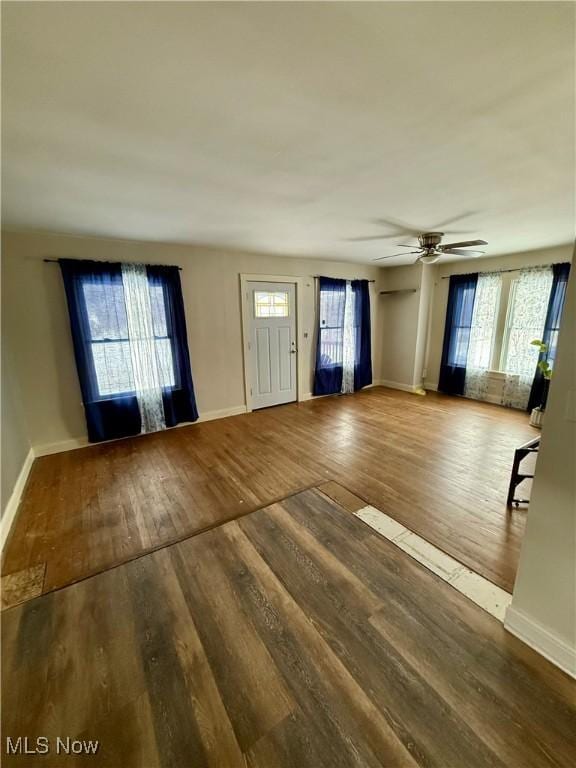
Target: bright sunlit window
x=110, y=345
x=525, y=318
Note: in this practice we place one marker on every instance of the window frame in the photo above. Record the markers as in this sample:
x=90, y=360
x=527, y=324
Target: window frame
x=507, y=329
x=97, y=396
x=453, y=358
x=322, y=326
x=270, y=293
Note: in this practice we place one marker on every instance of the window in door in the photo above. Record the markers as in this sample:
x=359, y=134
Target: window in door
x=271, y=304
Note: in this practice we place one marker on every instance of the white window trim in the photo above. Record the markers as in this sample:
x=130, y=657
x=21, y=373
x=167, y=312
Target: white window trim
x=506, y=331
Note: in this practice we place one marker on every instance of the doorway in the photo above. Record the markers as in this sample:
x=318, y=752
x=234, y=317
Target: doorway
x=270, y=342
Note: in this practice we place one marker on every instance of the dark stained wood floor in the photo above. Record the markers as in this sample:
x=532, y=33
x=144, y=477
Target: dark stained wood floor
x=294, y=637
x=440, y=465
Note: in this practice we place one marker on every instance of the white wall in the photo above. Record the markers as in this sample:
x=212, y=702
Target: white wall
x=15, y=443
x=426, y=301
x=399, y=324
x=37, y=320
x=543, y=610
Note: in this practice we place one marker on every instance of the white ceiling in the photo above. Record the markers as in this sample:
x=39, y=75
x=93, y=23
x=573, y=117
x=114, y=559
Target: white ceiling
x=290, y=127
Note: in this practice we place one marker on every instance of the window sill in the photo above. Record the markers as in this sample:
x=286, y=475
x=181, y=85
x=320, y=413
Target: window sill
x=499, y=374
x=126, y=395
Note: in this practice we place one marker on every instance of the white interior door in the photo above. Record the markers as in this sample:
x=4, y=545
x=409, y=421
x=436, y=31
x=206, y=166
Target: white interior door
x=272, y=343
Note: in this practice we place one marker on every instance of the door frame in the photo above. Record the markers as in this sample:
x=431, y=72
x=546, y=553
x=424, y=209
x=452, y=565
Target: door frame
x=245, y=312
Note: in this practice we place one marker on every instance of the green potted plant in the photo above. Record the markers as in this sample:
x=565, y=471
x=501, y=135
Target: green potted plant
x=537, y=415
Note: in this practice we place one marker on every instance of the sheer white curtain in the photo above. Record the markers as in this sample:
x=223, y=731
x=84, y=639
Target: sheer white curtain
x=145, y=368
x=525, y=323
x=349, y=345
x=482, y=330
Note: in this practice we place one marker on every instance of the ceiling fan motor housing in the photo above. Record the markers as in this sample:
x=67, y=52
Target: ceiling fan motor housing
x=430, y=240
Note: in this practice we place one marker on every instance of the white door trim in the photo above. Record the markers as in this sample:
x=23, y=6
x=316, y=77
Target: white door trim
x=298, y=283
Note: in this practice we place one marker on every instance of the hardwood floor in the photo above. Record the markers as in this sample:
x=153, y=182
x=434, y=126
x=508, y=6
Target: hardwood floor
x=437, y=464
x=294, y=637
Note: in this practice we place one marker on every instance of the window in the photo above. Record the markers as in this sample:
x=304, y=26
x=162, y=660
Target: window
x=344, y=351
x=109, y=337
x=460, y=337
x=332, y=326
x=271, y=304
x=163, y=341
x=483, y=326
x=525, y=319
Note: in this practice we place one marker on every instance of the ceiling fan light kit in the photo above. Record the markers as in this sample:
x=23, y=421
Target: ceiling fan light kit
x=428, y=258
x=429, y=248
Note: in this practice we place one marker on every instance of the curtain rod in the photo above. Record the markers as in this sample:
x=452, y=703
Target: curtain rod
x=495, y=271
x=317, y=277
x=57, y=261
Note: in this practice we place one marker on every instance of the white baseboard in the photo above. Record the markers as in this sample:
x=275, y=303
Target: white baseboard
x=82, y=442
x=397, y=385
x=432, y=386
x=538, y=637
x=223, y=413
x=45, y=449
x=312, y=396
x=11, y=509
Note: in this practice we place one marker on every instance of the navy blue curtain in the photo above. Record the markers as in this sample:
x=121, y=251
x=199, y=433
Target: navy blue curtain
x=539, y=389
x=179, y=400
x=457, y=333
x=363, y=362
x=328, y=375
x=98, y=322
x=329, y=350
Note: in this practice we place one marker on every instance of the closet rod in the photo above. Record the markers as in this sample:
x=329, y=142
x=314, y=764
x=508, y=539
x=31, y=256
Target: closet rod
x=495, y=271
x=56, y=261
x=343, y=278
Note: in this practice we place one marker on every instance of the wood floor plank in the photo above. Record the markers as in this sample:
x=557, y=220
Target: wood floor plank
x=22, y=585
x=439, y=465
x=417, y=710
x=294, y=636
x=468, y=694
x=176, y=729
x=219, y=743
x=342, y=496
x=240, y=660
x=457, y=626
x=319, y=681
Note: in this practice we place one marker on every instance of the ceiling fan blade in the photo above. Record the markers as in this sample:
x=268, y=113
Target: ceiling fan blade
x=403, y=245
x=371, y=237
x=463, y=244
x=461, y=252
x=400, y=226
x=394, y=255
x=440, y=227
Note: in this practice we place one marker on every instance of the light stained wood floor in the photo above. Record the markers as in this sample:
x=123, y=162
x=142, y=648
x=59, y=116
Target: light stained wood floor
x=439, y=465
x=295, y=637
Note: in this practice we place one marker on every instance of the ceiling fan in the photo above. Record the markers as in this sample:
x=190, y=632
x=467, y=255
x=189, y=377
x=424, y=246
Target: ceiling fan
x=430, y=249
